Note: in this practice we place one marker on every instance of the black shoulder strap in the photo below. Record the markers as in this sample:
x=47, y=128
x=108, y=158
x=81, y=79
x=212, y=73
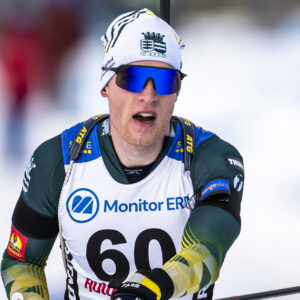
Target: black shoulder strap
x=82, y=135
x=188, y=133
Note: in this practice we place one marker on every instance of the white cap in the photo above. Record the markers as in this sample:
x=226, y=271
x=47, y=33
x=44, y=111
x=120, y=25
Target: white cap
x=139, y=35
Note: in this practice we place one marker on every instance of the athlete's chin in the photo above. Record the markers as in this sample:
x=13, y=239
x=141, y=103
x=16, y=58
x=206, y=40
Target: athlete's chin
x=145, y=140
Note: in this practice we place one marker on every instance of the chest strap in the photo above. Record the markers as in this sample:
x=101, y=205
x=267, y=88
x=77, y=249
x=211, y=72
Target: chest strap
x=188, y=133
x=82, y=135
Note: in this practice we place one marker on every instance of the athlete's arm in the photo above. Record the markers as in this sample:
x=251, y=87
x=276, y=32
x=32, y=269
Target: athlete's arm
x=24, y=277
x=214, y=224
x=34, y=224
x=209, y=233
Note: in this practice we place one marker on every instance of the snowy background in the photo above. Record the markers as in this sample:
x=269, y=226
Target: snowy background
x=243, y=84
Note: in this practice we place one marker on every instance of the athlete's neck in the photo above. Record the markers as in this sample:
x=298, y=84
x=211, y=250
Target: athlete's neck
x=133, y=155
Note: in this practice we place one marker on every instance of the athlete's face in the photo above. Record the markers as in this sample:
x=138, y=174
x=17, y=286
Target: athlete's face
x=139, y=119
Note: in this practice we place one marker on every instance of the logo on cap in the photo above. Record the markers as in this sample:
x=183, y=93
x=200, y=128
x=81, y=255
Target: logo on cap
x=153, y=45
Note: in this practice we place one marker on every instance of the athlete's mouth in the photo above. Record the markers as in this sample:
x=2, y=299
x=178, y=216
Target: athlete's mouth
x=144, y=117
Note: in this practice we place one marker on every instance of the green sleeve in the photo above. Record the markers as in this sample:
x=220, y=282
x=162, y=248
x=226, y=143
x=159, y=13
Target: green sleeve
x=34, y=223
x=44, y=176
x=24, y=278
x=214, y=223
x=208, y=234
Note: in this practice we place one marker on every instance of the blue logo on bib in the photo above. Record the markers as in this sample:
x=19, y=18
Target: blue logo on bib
x=82, y=205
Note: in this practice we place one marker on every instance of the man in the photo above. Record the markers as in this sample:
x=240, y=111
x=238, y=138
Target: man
x=146, y=204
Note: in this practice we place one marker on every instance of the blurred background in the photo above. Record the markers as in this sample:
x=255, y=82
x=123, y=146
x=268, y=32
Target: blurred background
x=243, y=64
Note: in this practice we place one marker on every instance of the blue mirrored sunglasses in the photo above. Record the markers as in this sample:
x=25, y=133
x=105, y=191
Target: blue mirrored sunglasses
x=133, y=78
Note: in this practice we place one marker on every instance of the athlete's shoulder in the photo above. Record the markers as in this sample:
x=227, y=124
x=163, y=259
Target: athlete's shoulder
x=185, y=136
x=85, y=126
x=49, y=149
x=182, y=124
x=85, y=138
x=215, y=153
x=216, y=148
x=48, y=155
x=43, y=176
x=215, y=158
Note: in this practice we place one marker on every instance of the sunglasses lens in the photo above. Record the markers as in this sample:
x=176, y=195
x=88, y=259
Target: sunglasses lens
x=134, y=79
x=166, y=81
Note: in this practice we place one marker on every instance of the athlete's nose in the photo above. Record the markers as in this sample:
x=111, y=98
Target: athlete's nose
x=148, y=94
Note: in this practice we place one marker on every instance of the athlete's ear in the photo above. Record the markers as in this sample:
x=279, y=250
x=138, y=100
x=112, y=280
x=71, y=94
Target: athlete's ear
x=104, y=92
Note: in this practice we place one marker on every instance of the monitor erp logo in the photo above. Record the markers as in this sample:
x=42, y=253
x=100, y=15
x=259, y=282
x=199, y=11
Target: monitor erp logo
x=82, y=205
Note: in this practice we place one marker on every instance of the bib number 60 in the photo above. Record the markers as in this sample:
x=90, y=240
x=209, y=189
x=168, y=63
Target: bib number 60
x=96, y=258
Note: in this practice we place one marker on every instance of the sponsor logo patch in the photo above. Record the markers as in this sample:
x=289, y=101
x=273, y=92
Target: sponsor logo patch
x=234, y=162
x=17, y=244
x=82, y=205
x=216, y=186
